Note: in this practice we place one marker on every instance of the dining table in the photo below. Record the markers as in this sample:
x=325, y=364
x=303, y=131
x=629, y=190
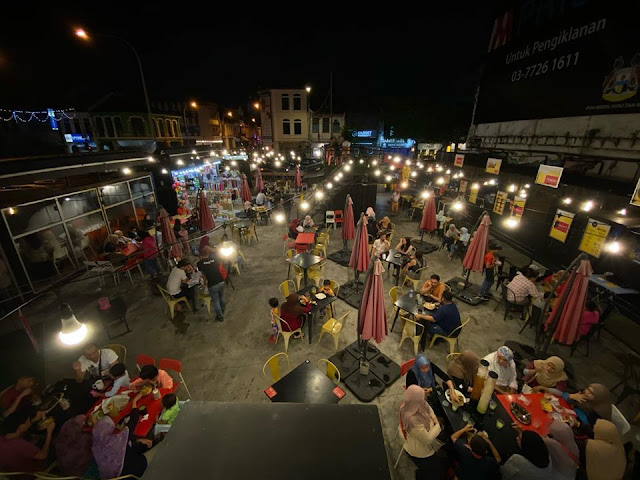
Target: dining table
x=395, y=258
x=305, y=261
x=317, y=306
x=305, y=384
x=412, y=303
x=304, y=241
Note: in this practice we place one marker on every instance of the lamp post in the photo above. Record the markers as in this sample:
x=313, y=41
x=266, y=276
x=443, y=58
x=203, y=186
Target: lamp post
x=81, y=33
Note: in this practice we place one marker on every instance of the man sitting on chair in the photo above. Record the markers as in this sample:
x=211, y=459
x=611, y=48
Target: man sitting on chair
x=444, y=321
x=433, y=288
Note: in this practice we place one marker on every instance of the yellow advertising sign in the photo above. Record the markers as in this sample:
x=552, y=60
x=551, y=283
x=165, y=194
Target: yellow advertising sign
x=473, y=196
x=458, y=160
x=635, y=198
x=594, y=237
x=549, y=176
x=517, y=207
x=463, y=186
x=561, y=225
x=493, y=166
x=500, y=202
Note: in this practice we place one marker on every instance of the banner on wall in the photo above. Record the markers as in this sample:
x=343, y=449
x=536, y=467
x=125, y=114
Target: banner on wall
x=493, y=166
x=549, y=176
x=594, y=237
x=635, y=198
x=561, y=224
x=458, y=160
x=500, y=202
x=463, y=186
x=517, y=207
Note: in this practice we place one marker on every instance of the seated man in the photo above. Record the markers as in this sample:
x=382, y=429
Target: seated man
x=153, y=376
x=433, y=288
x=94, y=363
x=17, y=454
x=474, y=463
x=381, y=246
x=444, y=321
x=17, y=397
x=522, y=287
x=261, y=198
x=178, y=282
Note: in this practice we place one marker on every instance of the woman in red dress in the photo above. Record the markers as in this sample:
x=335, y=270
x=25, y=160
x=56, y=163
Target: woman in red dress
x=292, y=312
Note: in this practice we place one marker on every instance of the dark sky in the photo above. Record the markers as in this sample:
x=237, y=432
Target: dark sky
x=402, y=57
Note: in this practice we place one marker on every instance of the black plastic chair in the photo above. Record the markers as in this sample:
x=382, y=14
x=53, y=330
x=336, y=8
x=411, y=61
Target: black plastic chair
x=510, y=306
x=587, y=338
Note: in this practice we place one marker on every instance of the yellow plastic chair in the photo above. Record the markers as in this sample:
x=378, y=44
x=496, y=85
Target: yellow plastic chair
x=324, y=238
x=393, y=294
x=330, y=370
x=172, y=302
x=288, y=255
x=120, y=350
x=333, y=327
x=453, y=340
x=315, y=275
x=287, y=288
x=317, y=251
x=412, y=330
x=322, y=248
x=204, y=296
x=250, y=233
x=274, y=366
x=285, y=335
x=415, y=281
x=299, y=275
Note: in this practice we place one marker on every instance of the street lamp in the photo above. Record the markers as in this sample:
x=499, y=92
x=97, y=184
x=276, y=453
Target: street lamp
x=256, y=105
x=230, y=114
x=308, y=89
x=81, y=33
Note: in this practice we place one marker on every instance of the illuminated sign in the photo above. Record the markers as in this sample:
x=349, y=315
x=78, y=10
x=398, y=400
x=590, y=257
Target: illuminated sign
x=75, y=137
x=363, y=133
x=52, y=119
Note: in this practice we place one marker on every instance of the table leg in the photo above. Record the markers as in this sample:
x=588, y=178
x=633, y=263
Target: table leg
x=310, y=325
x=305, y=278
x=395, y=318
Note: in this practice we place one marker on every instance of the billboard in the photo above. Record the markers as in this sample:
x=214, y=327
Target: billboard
x=551, y=59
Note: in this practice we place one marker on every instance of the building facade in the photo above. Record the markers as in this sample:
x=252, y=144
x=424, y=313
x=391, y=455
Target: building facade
x=285, y=119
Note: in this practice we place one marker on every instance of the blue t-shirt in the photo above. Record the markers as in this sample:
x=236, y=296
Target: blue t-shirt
x=447, y=317
x=473, y=468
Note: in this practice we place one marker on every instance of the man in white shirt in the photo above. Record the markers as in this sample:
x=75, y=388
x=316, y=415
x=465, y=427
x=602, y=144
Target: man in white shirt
x=381, y=245
x=94, y=362
x=261, y=198
x=178, y=282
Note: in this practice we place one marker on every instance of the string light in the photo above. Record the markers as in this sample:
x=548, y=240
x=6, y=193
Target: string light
x=319, y=194
x=126, y=170
x=475, y=186
x=461, y=174
x=329, y=185
x=408, y=162
x=361, y=161
x=511, y=222
x=492, y=182
x=404, y=184
x=347, y=168
x=17, y=115
x=448, y=171
x=388, y=178
x=588, y=205
x=425, y=194
x=304, y=206
x=440, y=181
x=392, y=168
x=413, y=174
x=512, y=188
x=527, y=186
x=336, y=178
x=374, y=163
x=180, y=162
x=377, y=173
x=613, y=247
x=279, y=217
x=396, y=159
x=430, y=169
x=623, y=211
x=457, y=206
x=567, y=201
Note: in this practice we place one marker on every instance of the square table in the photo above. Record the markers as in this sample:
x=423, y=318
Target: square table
x=305, y=260
x=411, y=303
x=320, y=304
x=305, y=384
x=209, y=440
x=538, y=415
x=304, y=241
x=391, y=259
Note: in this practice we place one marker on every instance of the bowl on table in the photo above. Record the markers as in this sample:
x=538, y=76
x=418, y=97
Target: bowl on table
x=430, y=305
x=522, y=414
x=320, y=296
x=458, y=393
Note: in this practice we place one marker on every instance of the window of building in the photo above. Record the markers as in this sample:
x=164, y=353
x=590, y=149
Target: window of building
x=286, y=127
x=336, y=126
x=325, y=125
x=176, y=128
x=117, y=124
x=297, y=127
x=297, y=102
x=315, y=125
x=285, y=101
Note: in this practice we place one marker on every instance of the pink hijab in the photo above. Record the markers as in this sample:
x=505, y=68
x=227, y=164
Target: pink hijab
x=415, y=410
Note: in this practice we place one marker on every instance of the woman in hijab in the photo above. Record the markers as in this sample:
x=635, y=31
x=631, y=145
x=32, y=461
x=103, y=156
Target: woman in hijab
x=441, y=218
x=564, y=453
x=307, y=222
x=422, y=374
x=463, y=370
x=546, y=375
x=419, y=428
x=501, y=362
x=371, y=214
x=292, y=311
x=605, y=456
x=532, y=462
x=592, y=403
x=461, y=243
x=73, y=447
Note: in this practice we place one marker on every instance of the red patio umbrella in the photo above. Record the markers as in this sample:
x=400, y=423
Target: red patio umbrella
x=474, y=259
x=259, y=184
x=348, y=226
x=205, y=218
x=246, y=191
x=372, y=318
x=168, y=236
x=428, y=221
x=298, y=181
x=564, y=319
x=360, y=254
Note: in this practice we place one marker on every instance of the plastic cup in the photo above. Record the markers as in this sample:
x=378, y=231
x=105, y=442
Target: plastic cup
x=465, y=416
x=492, y=404
x=454, y=406
x=445, y=404
x=499, y=423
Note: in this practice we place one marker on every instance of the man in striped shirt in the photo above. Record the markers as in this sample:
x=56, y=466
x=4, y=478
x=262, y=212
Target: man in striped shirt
x=522, y=287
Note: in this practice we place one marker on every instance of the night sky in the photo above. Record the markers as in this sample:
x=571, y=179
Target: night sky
x=389, y=60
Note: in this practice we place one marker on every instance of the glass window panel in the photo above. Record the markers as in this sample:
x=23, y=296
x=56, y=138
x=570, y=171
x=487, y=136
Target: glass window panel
x=87, y=235
x=315, y=126
x=46, y=255
x=145, y=206
x=80, y=203
x=115, y=193
x=121, y=217
x=325, y=125
x=34, y=216
x=141, y=187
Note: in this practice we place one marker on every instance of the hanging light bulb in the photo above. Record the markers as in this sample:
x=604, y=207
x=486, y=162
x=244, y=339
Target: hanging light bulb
x=377, y=172
x=425, y=194
x=492, y=182
x=512, y=188
x=180, y=162
x=408, y=162
x=361, y=161
x=448, y=171
x=527, y=185
x=279, y=217
x=347, y=168
x=461, y=174
x=396, y=159
x=336, y=178
x=304, y=206
x=430, y=169
x=613, y=247
x=440, y=181
x=457, y=206
x=319, y=195
x=567, y=200
x=588, y=205
x=413, y=174
x=485, y=183
x=392, y=168
x=404, y=184
x=622, y=212
x=475, y=186
x=388, y=178
x=511, y=222
x=329, y=185
x=72, y=331
x=374, y=163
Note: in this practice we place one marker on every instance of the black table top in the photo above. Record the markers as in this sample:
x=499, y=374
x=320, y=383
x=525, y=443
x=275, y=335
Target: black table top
x=244, y=441
x=243, y=224
x=390, y=258
x=305, y=384
x=320, y=303
x=305, y=260
x=412, y=303
x=503, y=439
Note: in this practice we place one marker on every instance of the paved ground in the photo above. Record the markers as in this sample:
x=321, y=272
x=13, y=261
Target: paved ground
x=223, y=361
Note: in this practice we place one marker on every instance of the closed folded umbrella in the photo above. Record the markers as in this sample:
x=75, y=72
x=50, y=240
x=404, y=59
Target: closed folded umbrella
x=474, y=259
x=428, y=221
x=168, y=235
x=246, y=191
x=205, y=218
x=372, y=318
x=259, y=183
x=298, y=181
x=348, y=225
x=360, y=254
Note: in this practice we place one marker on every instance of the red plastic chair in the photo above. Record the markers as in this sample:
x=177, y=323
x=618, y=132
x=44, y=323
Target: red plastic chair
x=176, y=366
x=339, y=216
x=405, y=367
x=142, y=360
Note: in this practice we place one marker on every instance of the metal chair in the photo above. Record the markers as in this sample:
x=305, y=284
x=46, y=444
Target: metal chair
x=285, y=334
x=412, y=330
x=288, y=255
x=176, y=366
x=287, y=288
x=450, y=358
x=330, y=370
x=172, y=301
x=203, y=295
x=333, y=327
x=452, y=338
x=274, y=366
x=393, y=294
x=415, y=281
x=120, y=350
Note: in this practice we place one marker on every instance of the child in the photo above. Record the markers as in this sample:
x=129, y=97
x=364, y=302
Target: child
x=327, y=290
x=170, y=410
x=590, y=316
x=120, y=377
x=273, y=302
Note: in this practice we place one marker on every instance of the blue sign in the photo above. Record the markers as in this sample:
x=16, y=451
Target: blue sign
x=75, y=138
x=52, y=119
x=363, y=133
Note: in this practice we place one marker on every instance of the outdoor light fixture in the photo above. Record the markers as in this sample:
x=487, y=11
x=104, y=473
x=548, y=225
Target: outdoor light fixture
x=337, y=178
x=567, y=201
x=226, y=169
x=455, y=175
x=511, y=222
x=425, y=194
x=438, y=168
x=226, y=249
x=512, y=188
x=308, y=89
x=461, y=174
x=392, y=168
x=457, y=206
x=492, y=182
x=80, y=33
x=527, y=186
x=329, y=185
x=413, y=174
x=377, y=173
x=475, y=186
x=304, y=206
x=224, y=152
x=340, y=175
x=194, y=104
x=588, y=205
x=347, y=168
x=165, y=171
x=350, y=162
x=485, y=183
x=126, y=170
x=193, y=152
x=374, y=163
x=151, y=159
x=396, y=159
x=234, y=163
x=448, y=171
x=319, y=194
x=623, y=211
x=388, y=178
x=408, y=162
x=613, y=247
x=361, y=161
x=256, y=105
x=430, y=169
x=72, y=331
x=279, y=217
x=404, y=184
x=523, y=194
x=180, y=162
x=440, y=181
x=229, y=114
x=277, y=163
x=12, y=211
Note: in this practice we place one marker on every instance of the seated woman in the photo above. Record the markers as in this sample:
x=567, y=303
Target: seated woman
x=593, y=403
x=419, y=428
x=605, y=457
x=307, y=222
x=564, y=453
x=463, y=369
x=546, y=375
x=590, y=317
x=404, y=246
x=501, y=362
x=532, y=462
x=450, y=236
x=422, y=374
x=461, y=243
x=293, y=229
x=292, y=312
x=415, y=263
x=385, y=225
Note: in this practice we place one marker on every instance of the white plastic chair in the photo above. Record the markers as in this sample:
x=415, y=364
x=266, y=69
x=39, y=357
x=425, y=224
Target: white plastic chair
x=330, y=218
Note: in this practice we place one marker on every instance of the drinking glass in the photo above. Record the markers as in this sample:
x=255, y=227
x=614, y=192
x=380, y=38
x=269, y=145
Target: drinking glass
x=499, y=423
x=492, y=404
x=465, y=416
x=445, y=404
x=471, y=421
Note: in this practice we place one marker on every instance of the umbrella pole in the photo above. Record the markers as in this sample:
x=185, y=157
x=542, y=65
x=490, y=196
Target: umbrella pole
x=363, y=343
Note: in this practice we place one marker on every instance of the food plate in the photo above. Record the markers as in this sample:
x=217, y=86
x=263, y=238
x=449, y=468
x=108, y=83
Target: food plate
x=320, y=296
x=458, y=392
x=429, y=306
x=522, y=414
x=397, y=255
